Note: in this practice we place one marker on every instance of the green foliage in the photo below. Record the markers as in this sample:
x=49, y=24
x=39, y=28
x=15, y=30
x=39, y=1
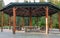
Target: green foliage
x=5, y=19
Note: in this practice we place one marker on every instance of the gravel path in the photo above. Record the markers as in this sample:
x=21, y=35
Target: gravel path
x=8, y=34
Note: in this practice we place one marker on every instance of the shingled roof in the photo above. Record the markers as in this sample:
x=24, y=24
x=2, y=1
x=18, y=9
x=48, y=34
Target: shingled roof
x=37, y=9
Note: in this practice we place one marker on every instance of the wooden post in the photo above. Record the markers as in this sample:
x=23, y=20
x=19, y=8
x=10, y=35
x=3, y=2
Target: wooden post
x=14, y=20
x=2, y=21
x=22, y=22
x=59, y=20
x=50, y=22
x=30, y=21
x=37, y=21
x=9, y=22
x=46, y=19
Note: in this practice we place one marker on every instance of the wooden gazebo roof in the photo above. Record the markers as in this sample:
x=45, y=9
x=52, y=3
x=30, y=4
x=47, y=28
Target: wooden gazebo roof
x=36, y=9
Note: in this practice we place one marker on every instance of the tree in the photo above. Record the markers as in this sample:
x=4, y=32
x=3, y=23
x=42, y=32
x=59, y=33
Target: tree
x=1, y=1
x=42, y=0
x=26, y=1
x=17, y=0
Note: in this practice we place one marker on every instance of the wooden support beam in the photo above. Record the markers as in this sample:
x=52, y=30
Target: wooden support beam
x=22, y=22
x=51, y=22
x=9, y=21
x=59, y=20
x=46, y=19
x=30, y=20
x=37, y=21
x=14, y=20
x=2, y=21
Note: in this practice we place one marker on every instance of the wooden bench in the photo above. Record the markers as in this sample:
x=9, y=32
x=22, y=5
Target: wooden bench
x=32, y=29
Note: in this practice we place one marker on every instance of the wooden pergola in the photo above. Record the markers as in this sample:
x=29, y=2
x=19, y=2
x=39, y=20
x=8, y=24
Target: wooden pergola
x=30, y=10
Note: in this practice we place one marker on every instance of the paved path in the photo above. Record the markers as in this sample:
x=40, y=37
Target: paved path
x=8, y=34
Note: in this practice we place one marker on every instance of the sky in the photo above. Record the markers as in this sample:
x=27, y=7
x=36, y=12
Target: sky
x=9, y=1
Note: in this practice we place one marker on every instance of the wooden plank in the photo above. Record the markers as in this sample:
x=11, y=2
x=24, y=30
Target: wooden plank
x=46, y=19
x=14, y=20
